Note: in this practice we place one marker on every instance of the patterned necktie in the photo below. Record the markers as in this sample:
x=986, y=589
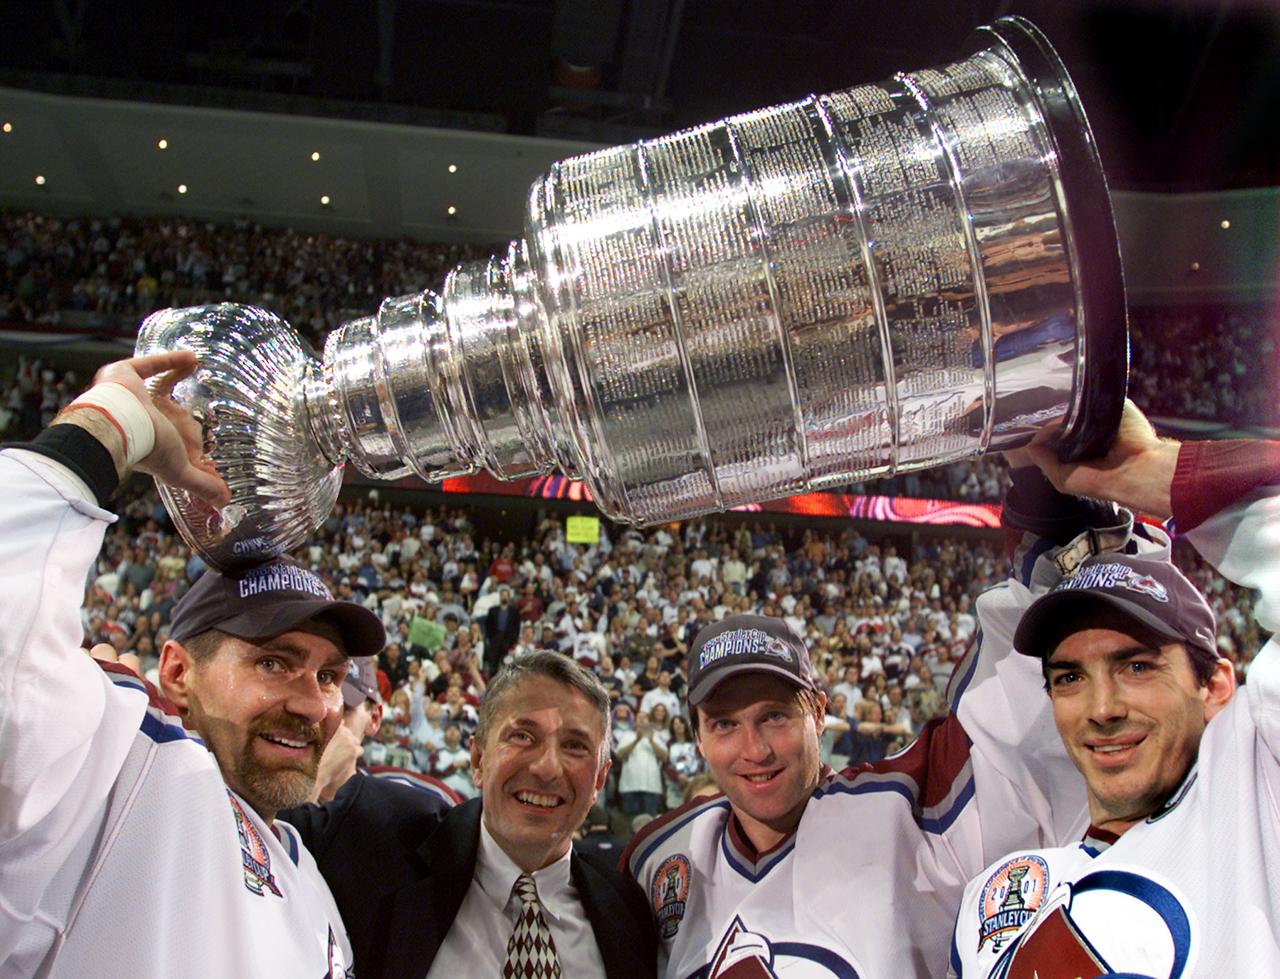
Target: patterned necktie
x=531, y=952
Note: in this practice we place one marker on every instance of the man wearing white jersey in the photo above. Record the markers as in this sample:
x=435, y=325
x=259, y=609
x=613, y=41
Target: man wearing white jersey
x=1176, y=875
x=113, y=809
x=799, y=871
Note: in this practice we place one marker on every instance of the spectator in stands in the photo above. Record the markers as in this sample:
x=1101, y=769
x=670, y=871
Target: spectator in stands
x=501, y=627
x=836, y=744
x=683, y=761
x=597, y=839
x=394, y=665
x=451, y=763
x=661, y=694
x=872, y=737
x=642, y=753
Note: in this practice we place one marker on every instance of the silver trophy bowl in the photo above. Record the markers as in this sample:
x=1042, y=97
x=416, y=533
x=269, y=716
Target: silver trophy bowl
x=885, y=278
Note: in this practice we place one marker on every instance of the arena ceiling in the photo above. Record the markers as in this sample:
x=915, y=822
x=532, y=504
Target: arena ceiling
x=1183, y=94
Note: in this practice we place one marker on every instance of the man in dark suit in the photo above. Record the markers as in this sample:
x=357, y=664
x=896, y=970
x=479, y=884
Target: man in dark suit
x=464, y=892
x=501, y=629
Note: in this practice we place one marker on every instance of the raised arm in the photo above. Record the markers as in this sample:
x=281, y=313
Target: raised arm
x=64, y=728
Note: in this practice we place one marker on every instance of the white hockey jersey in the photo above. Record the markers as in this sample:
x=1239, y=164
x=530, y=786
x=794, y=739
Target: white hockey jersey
x=869, y=884
x=122, y=853
x=1193, y=890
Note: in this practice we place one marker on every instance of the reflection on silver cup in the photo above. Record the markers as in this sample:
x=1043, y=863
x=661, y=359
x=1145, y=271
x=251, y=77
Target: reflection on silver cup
x=858, y=284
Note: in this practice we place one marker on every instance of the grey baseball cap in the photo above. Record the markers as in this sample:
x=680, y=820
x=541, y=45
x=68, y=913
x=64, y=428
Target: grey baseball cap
x=746, y=643
x=361, y=681
x=269, y=599
x=1149, y=591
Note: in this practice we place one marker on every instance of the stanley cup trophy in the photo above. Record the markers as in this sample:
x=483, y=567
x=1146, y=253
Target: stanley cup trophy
x=854, y=285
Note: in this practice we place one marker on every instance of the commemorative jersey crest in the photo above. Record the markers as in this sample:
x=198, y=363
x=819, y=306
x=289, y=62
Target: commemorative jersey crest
x=1010, y=898
x=254, y=856
x=669, y=894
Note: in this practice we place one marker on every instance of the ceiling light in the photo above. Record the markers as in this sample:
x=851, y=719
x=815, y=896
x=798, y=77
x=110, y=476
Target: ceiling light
x=1224, y=224
x=453, y=168
x=182, y=188
x=162, y=143
x=325, y=200
x=315, y=156
x=39, y=180
x=452, y=210
x=7, y=127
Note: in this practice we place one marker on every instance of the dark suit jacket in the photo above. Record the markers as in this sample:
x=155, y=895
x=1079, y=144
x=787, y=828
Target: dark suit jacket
x=498, y=642
x=399, y=870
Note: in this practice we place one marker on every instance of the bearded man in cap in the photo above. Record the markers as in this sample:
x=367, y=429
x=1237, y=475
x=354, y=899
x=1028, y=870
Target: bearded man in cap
x=1176, y=873
x=127, y=803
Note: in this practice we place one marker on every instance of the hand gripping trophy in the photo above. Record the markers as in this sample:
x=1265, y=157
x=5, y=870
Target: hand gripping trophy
x=853, y=285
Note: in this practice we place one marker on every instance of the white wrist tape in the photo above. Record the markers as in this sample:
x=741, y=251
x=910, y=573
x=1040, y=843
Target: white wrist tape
x=123, y=408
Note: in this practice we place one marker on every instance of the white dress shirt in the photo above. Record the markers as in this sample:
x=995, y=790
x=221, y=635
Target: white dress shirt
x=476, y=944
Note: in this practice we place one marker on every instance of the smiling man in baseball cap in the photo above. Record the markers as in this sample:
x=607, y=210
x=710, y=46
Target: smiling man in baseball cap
x=1171, y=876
x=255, y=663
x=757, y=715
x=112, y=804
x=1129, y=652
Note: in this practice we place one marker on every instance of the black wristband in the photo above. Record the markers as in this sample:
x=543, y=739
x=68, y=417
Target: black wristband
x=80, y=452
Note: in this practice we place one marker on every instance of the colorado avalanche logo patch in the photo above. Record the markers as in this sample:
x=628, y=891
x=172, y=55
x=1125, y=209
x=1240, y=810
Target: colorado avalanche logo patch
x=669, y=893
x=254, y=855
x=745, y=954
x=1148, y=586
x=1009, y=899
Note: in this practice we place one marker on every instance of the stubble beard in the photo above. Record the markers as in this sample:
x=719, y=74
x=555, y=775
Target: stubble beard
x=269, y=788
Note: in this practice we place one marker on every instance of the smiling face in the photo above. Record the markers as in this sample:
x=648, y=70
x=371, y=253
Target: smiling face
x=1131, y=716
x=761, y=739
x=266, y=710
x=543, y=761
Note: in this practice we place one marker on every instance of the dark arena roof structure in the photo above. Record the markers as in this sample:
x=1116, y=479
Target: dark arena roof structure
x=1183, y=94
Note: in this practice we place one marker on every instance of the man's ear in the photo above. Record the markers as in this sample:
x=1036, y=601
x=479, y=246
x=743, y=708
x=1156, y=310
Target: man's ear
x=603, y=774
x=375, y=722
x=476, y=757
x=176, y=668
x=1217, y=693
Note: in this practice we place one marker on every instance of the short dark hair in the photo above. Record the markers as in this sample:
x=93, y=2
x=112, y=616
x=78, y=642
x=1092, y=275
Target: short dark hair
x=542, y=663
x=203, y=646
x=1100, y=615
